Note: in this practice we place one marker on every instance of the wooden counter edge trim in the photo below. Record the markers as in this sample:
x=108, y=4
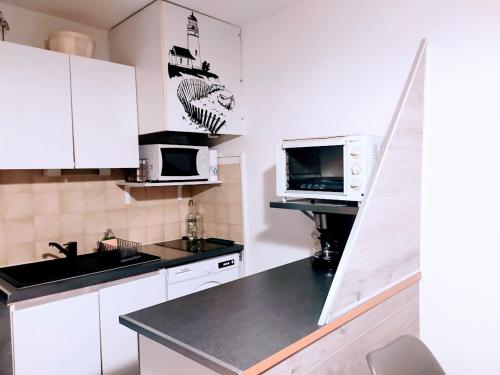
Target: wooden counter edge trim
x=276, y=358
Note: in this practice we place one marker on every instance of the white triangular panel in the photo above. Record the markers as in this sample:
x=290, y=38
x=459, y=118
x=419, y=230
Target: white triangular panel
x=384, y=244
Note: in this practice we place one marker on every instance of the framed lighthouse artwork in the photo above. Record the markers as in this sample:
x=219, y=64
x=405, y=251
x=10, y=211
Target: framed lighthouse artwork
x=202, y=72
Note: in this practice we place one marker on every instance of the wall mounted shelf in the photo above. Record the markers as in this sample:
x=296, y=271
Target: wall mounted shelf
x=308, y=205
x=129, y=185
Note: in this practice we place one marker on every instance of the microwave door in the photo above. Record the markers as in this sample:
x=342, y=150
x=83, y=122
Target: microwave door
x=317, y=169
x=179, y=163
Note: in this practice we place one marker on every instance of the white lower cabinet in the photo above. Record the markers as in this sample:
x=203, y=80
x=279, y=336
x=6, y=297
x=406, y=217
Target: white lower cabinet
x=82, y=335
x=58, y=338
x=118, y=343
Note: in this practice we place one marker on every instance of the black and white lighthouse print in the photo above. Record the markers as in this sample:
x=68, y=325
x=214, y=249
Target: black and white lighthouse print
x=201, y=91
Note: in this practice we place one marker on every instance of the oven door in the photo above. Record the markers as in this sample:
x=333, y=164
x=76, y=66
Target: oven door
x=181, y=163
x=316, y=169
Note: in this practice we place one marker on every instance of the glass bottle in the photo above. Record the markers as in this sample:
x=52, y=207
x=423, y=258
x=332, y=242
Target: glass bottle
x=191, y=222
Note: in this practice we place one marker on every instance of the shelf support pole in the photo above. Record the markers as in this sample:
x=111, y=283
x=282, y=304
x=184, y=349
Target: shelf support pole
x=126, y=195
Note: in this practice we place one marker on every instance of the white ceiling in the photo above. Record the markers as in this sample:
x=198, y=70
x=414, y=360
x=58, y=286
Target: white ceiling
x=105, y=14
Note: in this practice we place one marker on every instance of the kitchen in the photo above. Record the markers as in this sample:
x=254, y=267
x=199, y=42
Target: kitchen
x=83, y=179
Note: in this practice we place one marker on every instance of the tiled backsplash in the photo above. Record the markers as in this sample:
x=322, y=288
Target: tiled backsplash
x=35, y=209
x=221, y=206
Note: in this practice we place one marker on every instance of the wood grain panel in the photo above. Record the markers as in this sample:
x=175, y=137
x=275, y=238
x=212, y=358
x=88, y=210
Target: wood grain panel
x=343, y=350
x=384, y=243
x=351, y=359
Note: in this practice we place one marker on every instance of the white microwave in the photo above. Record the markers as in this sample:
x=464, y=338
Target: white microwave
x=175, y=162
x=332, y=168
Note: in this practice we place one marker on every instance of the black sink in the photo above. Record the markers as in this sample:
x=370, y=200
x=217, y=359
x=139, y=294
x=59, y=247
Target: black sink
x=32, y=274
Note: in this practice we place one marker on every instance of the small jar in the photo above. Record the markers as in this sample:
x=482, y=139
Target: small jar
x=142, y=171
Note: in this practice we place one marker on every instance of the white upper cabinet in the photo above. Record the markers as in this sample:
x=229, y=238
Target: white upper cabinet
x=104, y=114
x=188, y=69
x=62, y=112
x=35, y=109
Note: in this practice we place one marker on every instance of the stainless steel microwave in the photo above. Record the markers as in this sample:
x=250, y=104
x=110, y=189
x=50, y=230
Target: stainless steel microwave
x=335, y=168
x=175, y=162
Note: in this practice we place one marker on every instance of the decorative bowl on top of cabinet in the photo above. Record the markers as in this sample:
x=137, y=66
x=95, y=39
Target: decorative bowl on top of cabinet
x=188, y=68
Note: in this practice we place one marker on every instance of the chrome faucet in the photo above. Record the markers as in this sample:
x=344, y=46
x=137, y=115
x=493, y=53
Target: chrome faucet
x=68, y=249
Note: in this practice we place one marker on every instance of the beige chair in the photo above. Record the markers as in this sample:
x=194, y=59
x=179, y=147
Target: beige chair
x=407, y=355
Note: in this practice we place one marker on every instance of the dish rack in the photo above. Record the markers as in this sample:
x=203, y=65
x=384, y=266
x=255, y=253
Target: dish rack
x=126, y=250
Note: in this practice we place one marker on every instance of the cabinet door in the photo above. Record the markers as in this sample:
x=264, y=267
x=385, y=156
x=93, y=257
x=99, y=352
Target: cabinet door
x=58, y=338
x=119, y=344
x=104, y=114
x=35, y=109
x=202, y=67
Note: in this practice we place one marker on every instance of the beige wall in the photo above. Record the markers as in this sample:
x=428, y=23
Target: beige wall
x=32, y=29
x=221, y=206
x=35, y=210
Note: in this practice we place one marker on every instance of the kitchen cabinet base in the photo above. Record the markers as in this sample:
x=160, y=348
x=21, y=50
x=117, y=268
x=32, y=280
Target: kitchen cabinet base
x=156, y=359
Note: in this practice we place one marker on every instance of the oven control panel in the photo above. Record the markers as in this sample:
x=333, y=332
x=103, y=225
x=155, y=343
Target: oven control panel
x=227, y=263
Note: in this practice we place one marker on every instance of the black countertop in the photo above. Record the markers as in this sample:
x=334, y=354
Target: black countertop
x=10, y=293
x=234, y=326
x=174, y=257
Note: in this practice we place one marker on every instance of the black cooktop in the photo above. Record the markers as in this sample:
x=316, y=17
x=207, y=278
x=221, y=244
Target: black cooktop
x=197, y=246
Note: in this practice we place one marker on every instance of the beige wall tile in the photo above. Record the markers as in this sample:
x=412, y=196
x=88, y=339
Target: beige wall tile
x=233, y=194
x=18, y=231
x=121, y=233
x=173, y=231
x=222, y=231
x=171, y=213
x=220, y=194
x=154, y=215
x=222, y=215
x=209, y=212
x=136, y=217
x=72, y=201
x=155, y=233
x=95, y=222
x=117, y=219
x=42, y=247
x=71, y=183
x=21, y=253
x=17, y=205
x=137, y=234
x=90, y=243
x=235, y=214
x=232, y=173
x=95, y=200
x=46, y=202
x=235, y=233
x=3, y=256
x=210, y=229
x=115, y=198
x=2, y=234
x=72, y=224
x=80, y=207
x=47, y=227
